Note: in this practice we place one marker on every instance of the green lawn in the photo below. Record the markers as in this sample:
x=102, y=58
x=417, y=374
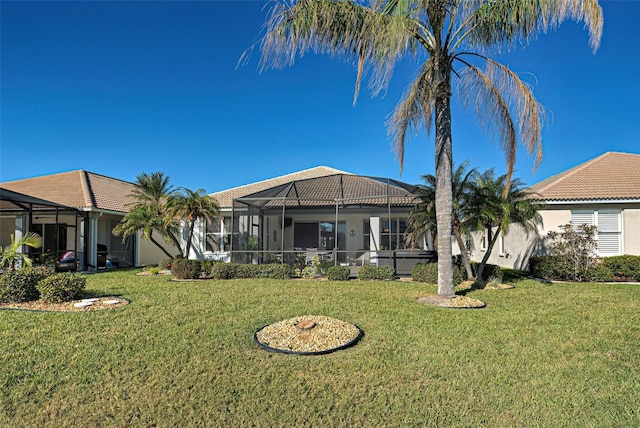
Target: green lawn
x=182, y=354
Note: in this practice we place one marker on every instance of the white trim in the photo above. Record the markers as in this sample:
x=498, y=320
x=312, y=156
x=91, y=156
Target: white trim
x=590, y=201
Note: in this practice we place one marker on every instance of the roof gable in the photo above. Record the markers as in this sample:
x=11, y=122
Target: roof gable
x=79, y=189
x=611, y=176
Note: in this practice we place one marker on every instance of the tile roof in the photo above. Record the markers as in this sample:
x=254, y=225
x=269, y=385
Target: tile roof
x=610, y=176
x=300, y=190
x=225, y=197
x=78, y=189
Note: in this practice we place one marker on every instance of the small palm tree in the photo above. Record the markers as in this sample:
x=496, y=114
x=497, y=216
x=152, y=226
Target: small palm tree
x=423, y=218
x=150, y=212
x=450, y=40
x=12, y=256
x=144, y=219
x=498, y=203
x=192, y=206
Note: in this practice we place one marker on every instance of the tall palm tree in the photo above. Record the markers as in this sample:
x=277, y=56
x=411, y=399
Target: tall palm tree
x=501, y=203
x=192, y=206
x=149, y=211
x=423, y=218
x=450, y=39
x=11, y=255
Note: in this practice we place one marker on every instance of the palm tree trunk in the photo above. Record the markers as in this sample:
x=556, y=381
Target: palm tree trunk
x=444, y=166
x=490, y=244
x=159, y=246
x=192, y=225
x=463, y=253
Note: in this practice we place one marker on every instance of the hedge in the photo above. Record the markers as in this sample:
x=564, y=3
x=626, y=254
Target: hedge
x=623, y=268
x=428, y=272
x=381, y=273
x=239, y=271
x=17, y=286
x=186, y=269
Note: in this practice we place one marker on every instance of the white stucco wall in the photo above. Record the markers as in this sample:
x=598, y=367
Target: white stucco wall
x=519, y=247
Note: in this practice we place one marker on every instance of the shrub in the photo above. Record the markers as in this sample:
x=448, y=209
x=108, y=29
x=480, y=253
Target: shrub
x=547, y=267
x=207, y=265
x=599, y=273
x=575, y=250
x=428, y=272
x=275, y=271
x=306, y=272
x=20, y=285
x=61, y=287
x=338, y=273
x=493, y=273
x=624, y=268
x=367, y=273
x=223, y=271
x=425, y=272
x=186, y=269
x=382, y=273
x=165, y=264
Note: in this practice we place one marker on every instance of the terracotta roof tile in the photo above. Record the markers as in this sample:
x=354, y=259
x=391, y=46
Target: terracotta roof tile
x=612, y=175
x=78, y=189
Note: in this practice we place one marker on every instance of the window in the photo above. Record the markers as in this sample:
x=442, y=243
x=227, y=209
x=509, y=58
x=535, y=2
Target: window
x=366, y=234
x=218, y=235
x=501, y=251
x=609, y=226
x=483, y=240
x=392, y=233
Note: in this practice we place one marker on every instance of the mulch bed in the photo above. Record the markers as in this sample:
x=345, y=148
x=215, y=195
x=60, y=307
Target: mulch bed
x=39, y=305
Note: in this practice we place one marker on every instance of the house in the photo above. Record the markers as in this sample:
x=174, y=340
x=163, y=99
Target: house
x=340, y=217
x=75, y=213
x=604, y=191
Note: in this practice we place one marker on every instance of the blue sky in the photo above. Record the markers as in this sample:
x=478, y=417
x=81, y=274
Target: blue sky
x=121, y=87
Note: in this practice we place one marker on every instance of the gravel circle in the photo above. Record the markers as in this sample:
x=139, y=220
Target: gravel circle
x=327, y=335
x=457, y=302
x=100, y=303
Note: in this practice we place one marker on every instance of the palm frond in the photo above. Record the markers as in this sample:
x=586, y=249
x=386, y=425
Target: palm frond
x=496, y=92
x=415, y=108
x=499, y=22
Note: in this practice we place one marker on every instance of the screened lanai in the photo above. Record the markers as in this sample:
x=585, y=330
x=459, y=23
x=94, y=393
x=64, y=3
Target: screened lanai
x=342, y=218
x=19, y=214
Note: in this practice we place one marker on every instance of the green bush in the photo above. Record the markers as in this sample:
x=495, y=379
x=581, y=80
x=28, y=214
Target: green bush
x=275, y=271
x=186, y=269
x=223, y=271
x=492, y=272
x=338, y=273
x=425, y=272
x=381, y=273
x=240, y=271
x=207, y=265
x=428, y=272
x=547, y=267
x=599, y=273
x=165, y=264
x=20, y=285
x=624, y=268
x=367, y=273
x=61, y=287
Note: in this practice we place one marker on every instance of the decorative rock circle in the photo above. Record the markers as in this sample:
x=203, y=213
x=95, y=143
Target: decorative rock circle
x=308, y=335
x=111, y=302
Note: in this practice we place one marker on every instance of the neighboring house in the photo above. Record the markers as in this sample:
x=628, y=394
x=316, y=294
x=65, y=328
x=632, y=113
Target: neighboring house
x=75, y=213
x=604, y=192
x=341, y=217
